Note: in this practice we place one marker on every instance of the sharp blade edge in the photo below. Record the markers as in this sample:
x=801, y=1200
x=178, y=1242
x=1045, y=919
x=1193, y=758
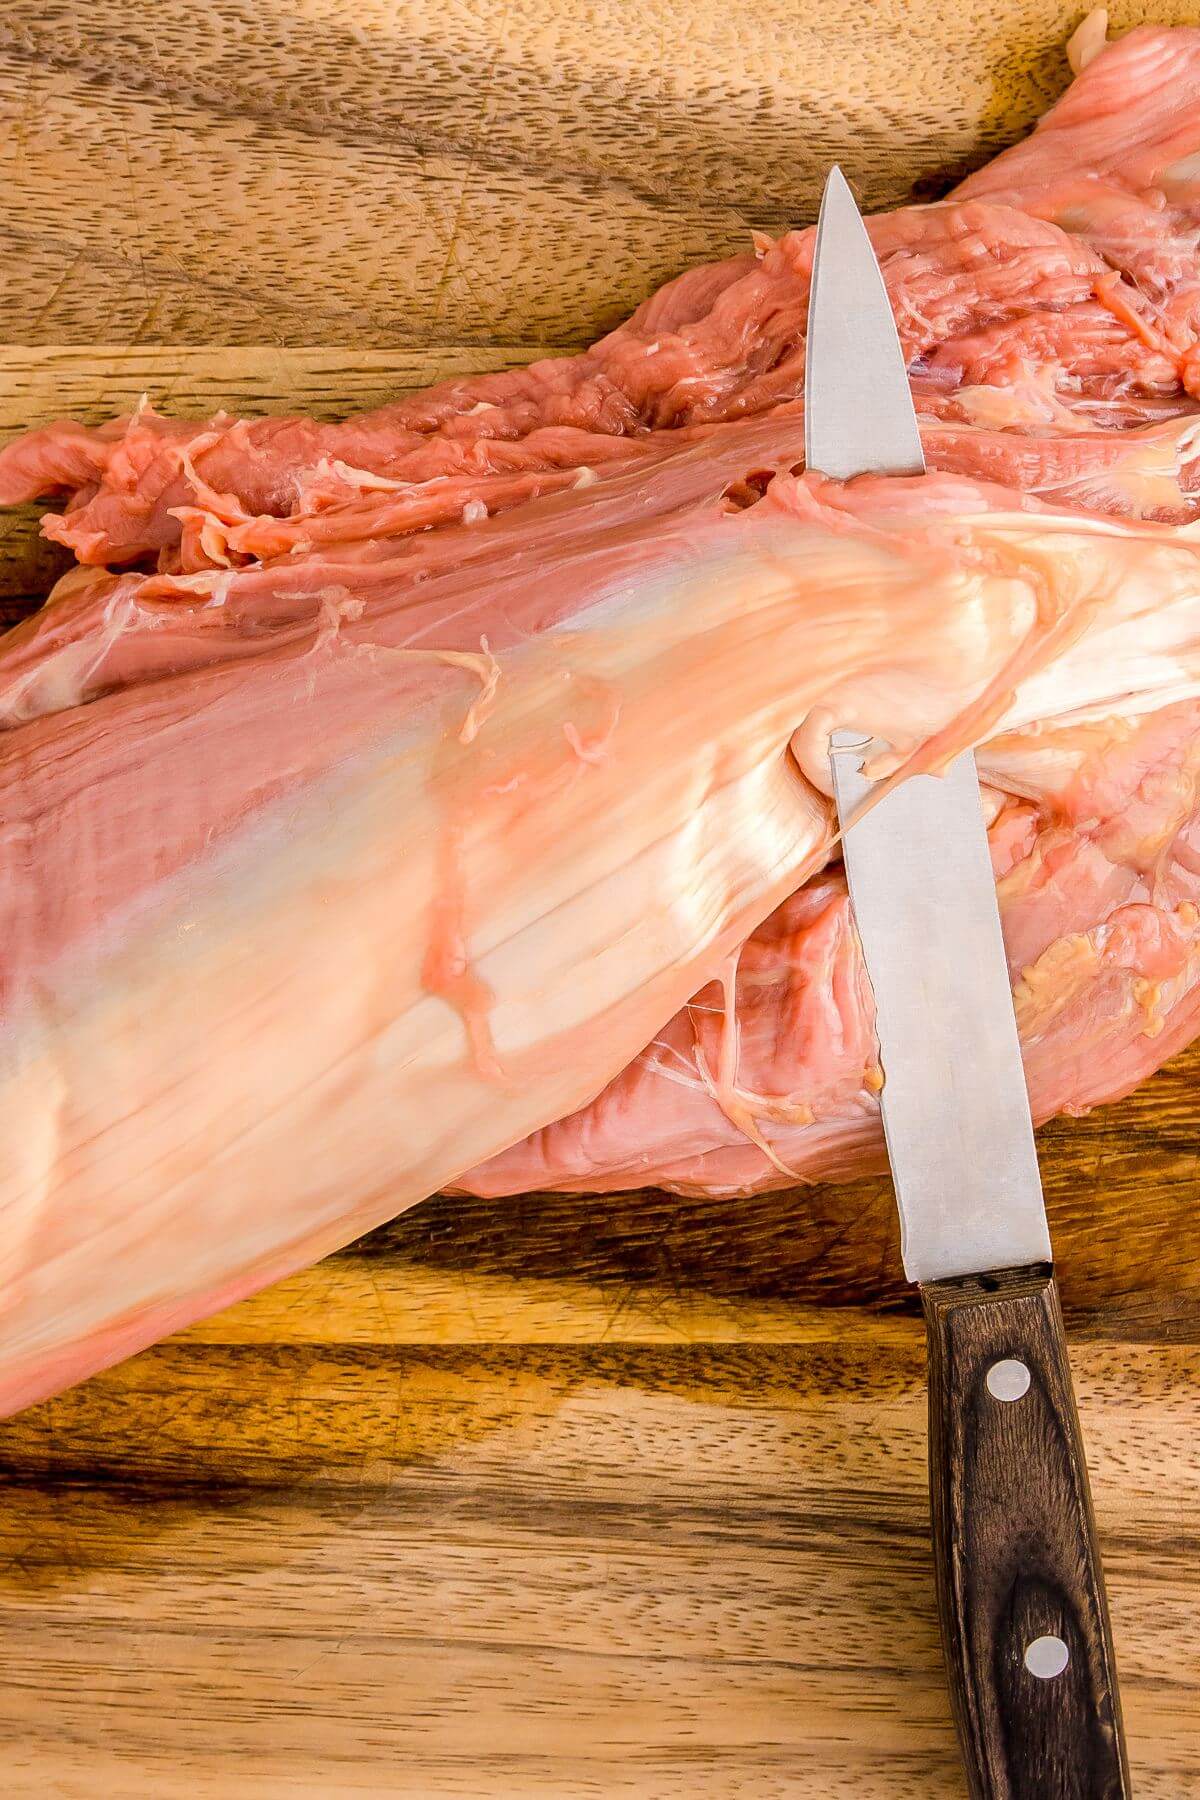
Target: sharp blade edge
x=955, y=1105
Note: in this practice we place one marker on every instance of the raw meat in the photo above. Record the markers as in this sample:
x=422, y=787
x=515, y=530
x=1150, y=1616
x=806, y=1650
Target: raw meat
x=439, y=798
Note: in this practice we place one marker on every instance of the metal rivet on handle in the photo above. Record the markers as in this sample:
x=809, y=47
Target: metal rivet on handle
x=1008, y=1380
x=1046, y=1657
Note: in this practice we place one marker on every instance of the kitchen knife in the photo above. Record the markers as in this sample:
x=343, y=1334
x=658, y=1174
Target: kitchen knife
x=1020, y=1589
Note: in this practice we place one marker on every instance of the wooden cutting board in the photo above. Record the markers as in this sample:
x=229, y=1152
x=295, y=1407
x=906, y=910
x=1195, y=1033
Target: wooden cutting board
x=615, y=1497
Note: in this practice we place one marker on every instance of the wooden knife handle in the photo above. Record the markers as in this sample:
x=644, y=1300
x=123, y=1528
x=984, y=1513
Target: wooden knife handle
x=1014, y=1546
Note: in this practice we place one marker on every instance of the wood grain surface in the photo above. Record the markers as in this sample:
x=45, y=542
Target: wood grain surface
x=607, y=1497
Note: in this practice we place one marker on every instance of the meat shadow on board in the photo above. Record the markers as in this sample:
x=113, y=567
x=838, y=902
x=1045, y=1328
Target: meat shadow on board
x=197, y=1428
x=1122, y=1186
x=257, y=1434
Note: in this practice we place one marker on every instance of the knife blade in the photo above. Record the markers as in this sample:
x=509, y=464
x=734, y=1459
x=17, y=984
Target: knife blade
x=1021, y=1596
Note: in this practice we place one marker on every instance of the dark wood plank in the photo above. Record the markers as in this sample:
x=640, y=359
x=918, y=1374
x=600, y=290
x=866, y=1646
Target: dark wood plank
x=558, y=1569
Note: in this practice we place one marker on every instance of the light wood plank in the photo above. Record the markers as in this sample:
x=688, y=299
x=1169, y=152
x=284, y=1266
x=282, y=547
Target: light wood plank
x=415, y=171
x=579, y=1571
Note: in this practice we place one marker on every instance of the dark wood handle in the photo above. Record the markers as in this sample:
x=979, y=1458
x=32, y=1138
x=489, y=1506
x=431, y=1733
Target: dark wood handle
x=1014, y=1545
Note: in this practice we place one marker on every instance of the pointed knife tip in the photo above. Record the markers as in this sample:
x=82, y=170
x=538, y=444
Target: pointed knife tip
x=837, y=188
